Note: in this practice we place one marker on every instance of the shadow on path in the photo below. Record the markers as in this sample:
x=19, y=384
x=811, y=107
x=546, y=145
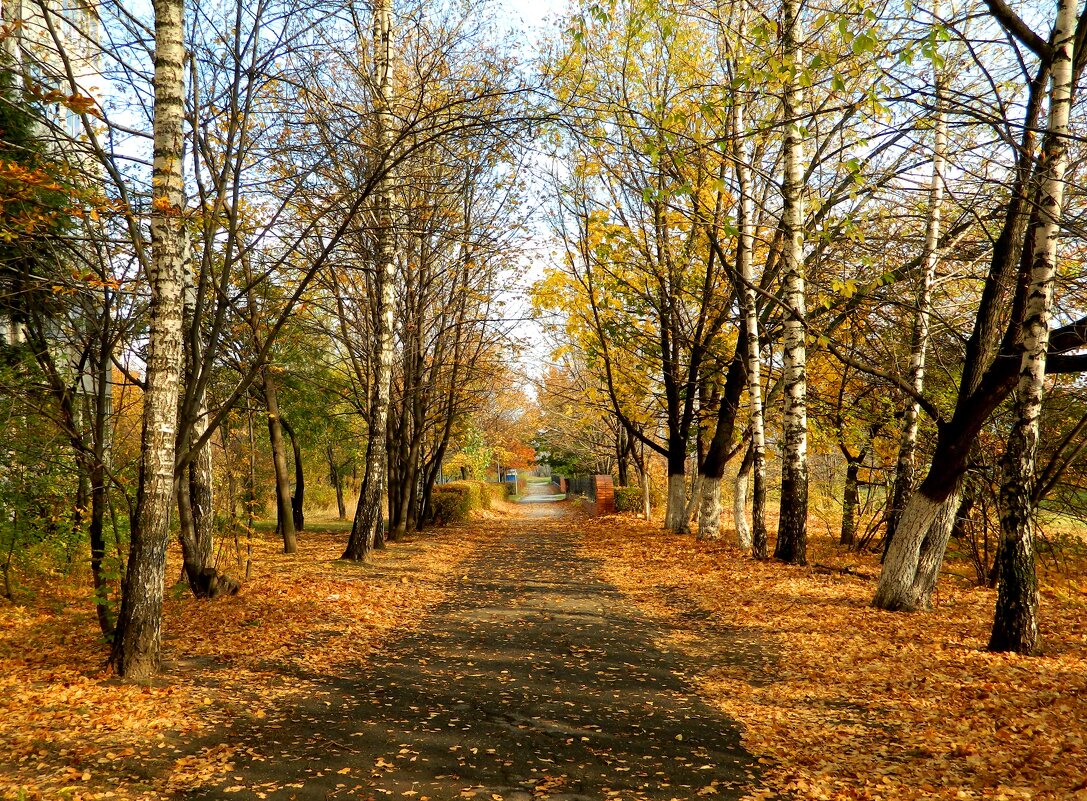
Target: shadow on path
x=534, y=680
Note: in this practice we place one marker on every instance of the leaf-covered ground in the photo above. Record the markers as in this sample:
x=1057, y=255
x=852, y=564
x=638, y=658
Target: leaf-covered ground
x=843, y=701
x=68, y=730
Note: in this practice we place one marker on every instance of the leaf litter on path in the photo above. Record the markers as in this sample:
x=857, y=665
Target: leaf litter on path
x=843, y=701
x=69, y=729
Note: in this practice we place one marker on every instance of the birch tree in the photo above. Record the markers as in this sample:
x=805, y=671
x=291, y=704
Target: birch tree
x=136, y=643
x=1015, y=624
x=792, y=536
x=904, y=480
x=367, y=529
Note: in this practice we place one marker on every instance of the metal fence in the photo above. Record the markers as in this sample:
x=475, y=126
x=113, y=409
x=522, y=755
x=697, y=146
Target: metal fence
x=582, y=485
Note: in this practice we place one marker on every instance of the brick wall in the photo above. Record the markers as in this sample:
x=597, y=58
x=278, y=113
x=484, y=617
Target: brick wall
x=605, y=495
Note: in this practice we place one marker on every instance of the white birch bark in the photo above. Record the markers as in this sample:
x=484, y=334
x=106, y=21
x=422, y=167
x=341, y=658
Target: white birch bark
x=691, y=505
x=1015, y=623
x=646, y=505
x=739, y=508
x=677, y=502
x=709, y=515
x=755, y=537
x=135, y=653
x=792, y=529
x=367, y=531
x=907, y=451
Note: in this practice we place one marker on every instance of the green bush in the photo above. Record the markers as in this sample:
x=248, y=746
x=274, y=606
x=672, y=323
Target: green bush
x=628, y=499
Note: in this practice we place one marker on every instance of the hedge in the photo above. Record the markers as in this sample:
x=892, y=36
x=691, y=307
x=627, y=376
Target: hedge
x=455, y=501
x=628, y=499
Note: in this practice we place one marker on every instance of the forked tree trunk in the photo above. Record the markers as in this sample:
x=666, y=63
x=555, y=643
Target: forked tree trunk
x=298, y=497
x=905, y=467
x=792, y=540
x=194, y=486
x=367, y=529
x=691, y=505
x=986, y=380
x=135, y=652
x=1015, y=622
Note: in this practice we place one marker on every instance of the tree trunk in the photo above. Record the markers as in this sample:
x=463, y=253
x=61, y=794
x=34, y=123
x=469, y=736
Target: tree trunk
x=647, y=509
x=98, y=476
x=1015, y=622
x=709, y=516
x=905, y=467
x=194, y=485
x=367, y=530
x=336, y=481
x=691, y=505
x=622, y=452
x=739, y=500
x=284, y=514
x=850, y=502
x=756, y=538
x=298, y=497
x=201, y=476
x=985, y=381
x=909, y=573
x=135, y=652
x=717, y=455
x=792, y=540
x=677, y=502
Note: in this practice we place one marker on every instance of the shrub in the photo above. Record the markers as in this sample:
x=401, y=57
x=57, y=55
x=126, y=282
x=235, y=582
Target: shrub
x=628, y=499
x=455, y=501
x=451, y=503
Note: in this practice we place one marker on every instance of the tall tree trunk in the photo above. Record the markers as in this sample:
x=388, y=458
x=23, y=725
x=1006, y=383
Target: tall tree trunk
x=622, y=453
x=984, y=383
x=792, y=540
x=850, y=502
x=102, y=365
x=905, y=467
x=194, y=490
x=676, y=511
x=135, y=652
x=757, y=539
x=739, y=500
x=1015, y=622
x=284, y=514
x=336, y=480
x=719, y=450
x=367, y=529
x=298, y=497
